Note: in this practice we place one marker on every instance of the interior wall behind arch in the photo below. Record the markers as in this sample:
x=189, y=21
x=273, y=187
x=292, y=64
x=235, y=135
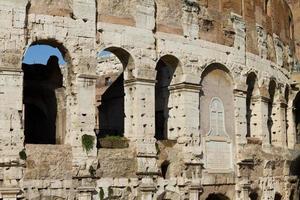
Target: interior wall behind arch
x=217, y=84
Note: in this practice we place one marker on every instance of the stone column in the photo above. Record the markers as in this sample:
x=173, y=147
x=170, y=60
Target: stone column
x=240, y=116
x=262, y=125
x=255, y=118
x=291, y=130
x=140, y=123
x=245, y=188
x=9, y=193
x=195, y=191
x=184, y=116
x=243, y=185
x=12, y=116
x=85, y=193
x=139, y=108
x=279, y=139
x=147, y=189
x=81, y=121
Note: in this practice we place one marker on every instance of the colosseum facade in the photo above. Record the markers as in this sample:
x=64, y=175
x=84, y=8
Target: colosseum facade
x=157, y=99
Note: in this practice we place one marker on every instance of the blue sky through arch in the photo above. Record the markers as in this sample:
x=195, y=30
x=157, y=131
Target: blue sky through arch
x=39, y=54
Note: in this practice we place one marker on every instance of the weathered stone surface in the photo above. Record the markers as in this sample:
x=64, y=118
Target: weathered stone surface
x=48, y=162
x=116, y=163
x=213, y=76
x=50, y=7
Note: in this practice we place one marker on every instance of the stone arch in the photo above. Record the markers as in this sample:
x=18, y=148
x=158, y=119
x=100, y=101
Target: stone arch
x=217, y=66
x=217, y=196
x=125, y=58
x=54, y=81
x=169, y=72
x=217, y=83
x=251, y=104
x=110, y=91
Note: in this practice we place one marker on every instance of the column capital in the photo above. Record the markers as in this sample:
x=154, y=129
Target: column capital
x=240, y=92
x=261, y=98
x=185, y=87
x=139, y=80
x=9, y=192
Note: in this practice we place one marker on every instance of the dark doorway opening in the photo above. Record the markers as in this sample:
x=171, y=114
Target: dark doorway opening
x=165, y=73
x=253, y=196
x=278, y=196
x=251, y=81
x=111, y=109
x=217, y=197
x=40, y=83
x=272, y=88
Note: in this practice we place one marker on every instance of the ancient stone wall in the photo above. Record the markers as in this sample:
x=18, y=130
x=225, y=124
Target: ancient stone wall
x=208, y=152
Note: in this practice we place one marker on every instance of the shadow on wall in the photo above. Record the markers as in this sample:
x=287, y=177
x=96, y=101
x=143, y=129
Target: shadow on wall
x=295, y=167
x=217, y=197
x=111, y=110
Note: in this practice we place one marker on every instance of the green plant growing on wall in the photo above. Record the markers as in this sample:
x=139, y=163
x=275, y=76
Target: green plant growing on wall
x=88, y=142
x=101, y=194
x=23, y=155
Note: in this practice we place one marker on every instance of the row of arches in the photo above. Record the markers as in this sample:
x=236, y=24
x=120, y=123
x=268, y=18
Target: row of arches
x=278, y=102
x=43, y=111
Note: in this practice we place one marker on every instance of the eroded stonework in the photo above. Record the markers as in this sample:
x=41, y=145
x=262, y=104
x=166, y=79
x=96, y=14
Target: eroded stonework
x=195, y=99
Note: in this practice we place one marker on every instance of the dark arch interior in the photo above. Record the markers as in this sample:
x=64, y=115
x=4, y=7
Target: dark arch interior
x=165, y=72
x=39, y=98
x=251, y=80
x=295, y=167
x=253, y=196
x=278, y=196
x=217, y=197
x=111, y=110
x=297, y=116
x=272, y=88
x=291, y=197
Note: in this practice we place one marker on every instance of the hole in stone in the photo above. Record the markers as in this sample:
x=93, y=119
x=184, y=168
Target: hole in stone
x=164, y=169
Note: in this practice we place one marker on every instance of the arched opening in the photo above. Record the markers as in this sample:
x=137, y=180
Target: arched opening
x=292, y=195
x=252, y=89
x=296, y=112
x=272, y=90
x=268, y=8
x=253, y=196
x=166, y=68
x=217, y=196
x=43, y=88
x=164, y=169
x=278, y=196
x=217, y=117
x=113, y=69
